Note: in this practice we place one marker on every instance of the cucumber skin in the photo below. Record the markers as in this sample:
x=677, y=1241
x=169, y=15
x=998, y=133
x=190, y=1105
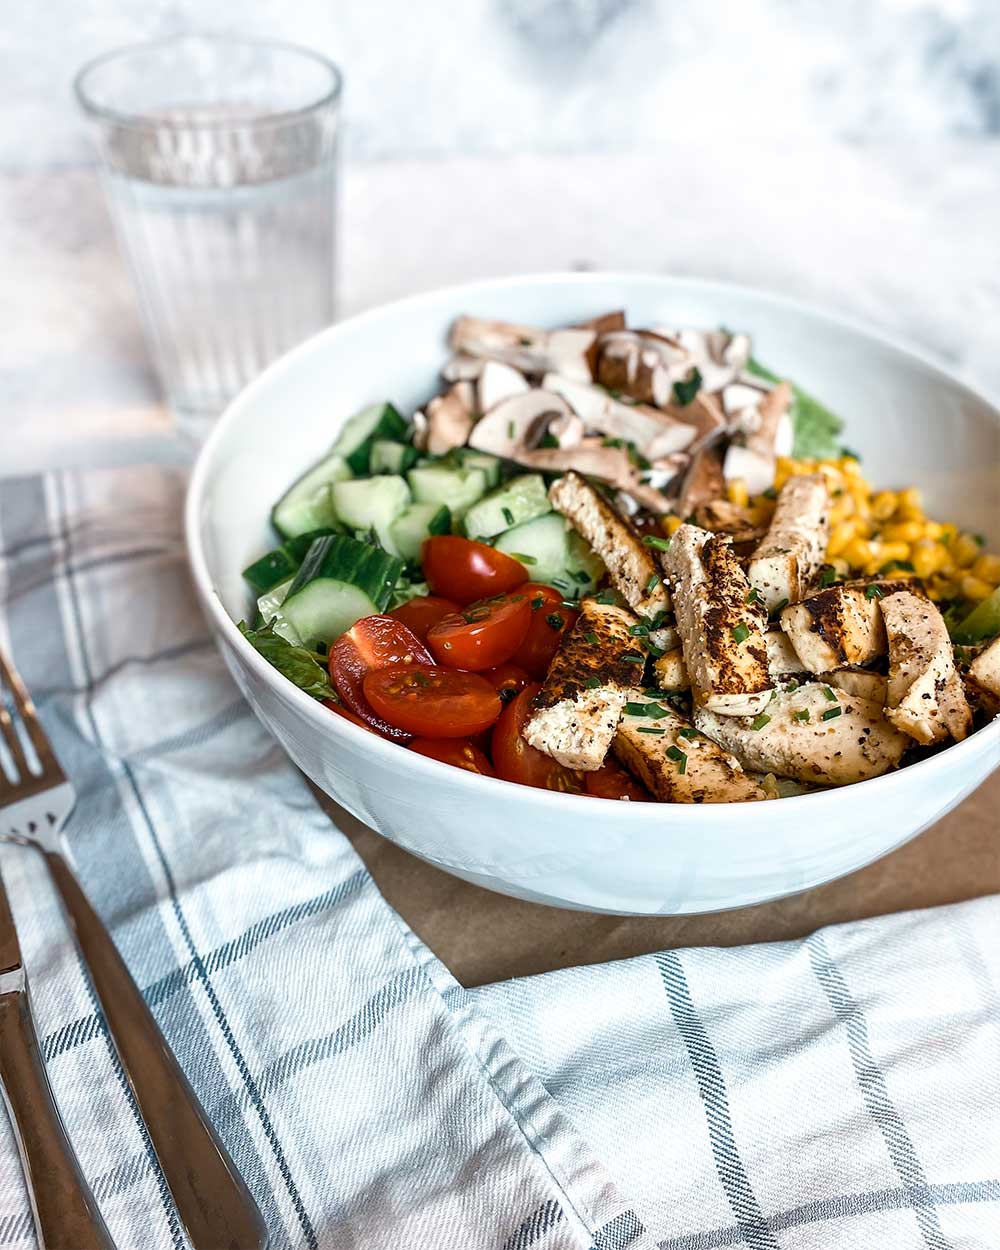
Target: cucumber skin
x=387, y=425
x=283, y=562
x=389, y=457
x=340, y=558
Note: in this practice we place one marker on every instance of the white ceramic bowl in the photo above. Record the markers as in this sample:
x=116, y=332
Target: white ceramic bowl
x=909, y=420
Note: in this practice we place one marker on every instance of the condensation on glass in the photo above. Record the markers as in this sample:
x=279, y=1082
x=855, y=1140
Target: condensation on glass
x=219, y=158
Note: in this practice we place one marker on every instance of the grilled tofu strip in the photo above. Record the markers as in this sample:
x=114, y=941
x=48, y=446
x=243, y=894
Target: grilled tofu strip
x=630, y=564
x=839, y=626
x=814, y=733
x=926, y=698
x=859, y=681
x=786, y=562
x=984, y=670
x=722, y=634
x=672, y=675
x=577, y=710
x=670, y=670
x=675, y=766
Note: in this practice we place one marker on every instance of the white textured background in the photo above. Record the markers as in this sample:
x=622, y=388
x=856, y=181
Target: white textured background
x=847, y=152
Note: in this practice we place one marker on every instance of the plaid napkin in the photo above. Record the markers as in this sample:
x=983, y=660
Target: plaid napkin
x=838, y=1092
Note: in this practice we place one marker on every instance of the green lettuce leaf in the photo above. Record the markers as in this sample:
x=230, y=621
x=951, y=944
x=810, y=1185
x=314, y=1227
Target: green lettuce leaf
x=817, y=429
x=299, y=665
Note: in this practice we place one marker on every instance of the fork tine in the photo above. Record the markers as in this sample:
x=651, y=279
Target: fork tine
x=11, y=678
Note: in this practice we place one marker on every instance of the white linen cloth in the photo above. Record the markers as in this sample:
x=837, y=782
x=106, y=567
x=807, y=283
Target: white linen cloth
x=838, y=1092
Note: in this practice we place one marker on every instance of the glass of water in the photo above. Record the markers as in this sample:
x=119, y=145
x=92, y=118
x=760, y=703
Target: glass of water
x=219, y=160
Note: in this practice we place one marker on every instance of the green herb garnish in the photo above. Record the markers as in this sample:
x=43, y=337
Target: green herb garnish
x=649, y=729
x=651, y=540
x=679, y=758
x=689, y=733
x=652, y=584
x=829, y=695
x=633, y=657
x=778, y=608
x=760, y=721
x=522, y=558
x=298, y=664
x=740, y=632
x=592, y=683
x=685, y=391
x=874, y=592
x=555, y=620
x=639, y=631
x=831, y=713
x=508, y=516
x=803, y=715
x=537, y=603
x=827, y=576
x=591, y=638
x=753, y=596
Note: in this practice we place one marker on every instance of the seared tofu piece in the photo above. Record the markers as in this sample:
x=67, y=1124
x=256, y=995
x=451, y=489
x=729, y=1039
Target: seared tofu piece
x=785, y=564
x=861, y=682
x=722, y=634
x=839, y=626
x=630, y=563
x=672, y=675
x=926, y=698
x=673, y=761
x=814, y=733
x=671, y=672
x=984, y=671
x=577, y=710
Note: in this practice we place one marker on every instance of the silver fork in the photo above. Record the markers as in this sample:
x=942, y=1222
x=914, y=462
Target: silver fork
x=212, y=1201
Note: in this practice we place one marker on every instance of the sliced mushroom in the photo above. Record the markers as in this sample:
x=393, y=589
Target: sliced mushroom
x=568, y=430
x=641, y=364
x=498, y=382
x=704, y=480
x=704, y=413
x=653, y=432
x=525, y=347
x=463, y=368
x=449, y=419
x=591, y=458
x=719, y=357
x=755, y=460
x=515, y=425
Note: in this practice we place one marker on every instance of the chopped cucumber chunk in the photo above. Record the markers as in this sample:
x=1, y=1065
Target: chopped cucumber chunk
x=283, y=562
x=414, y=524
x=341, y=579
x=492, y=466
x=521, y=499
x=372, y=504
x=982, y=622
x=389, y=457
x=269, y=610
x=457, y=489
x=554, y=553
x=307, y=505
x=380, y=421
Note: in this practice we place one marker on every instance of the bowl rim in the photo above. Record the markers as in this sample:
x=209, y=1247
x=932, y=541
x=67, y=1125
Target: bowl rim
x=477, y=785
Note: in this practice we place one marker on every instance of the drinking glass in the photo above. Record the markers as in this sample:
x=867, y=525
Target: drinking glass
x=219, y=158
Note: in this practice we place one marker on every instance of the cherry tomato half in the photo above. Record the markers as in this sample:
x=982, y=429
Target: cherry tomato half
x=611, y=781
x=549, y=621
x=421, y=613
x=515, y=760
x=483, y=634
x=463, y=570
x=459, y=752
x=507, y=680
x=371, y=643
x=432, y=702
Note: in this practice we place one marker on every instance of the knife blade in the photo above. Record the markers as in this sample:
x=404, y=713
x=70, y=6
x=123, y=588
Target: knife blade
x=11, y=967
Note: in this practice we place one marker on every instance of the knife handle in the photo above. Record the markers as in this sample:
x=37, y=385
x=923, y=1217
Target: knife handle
x=66, y=1216
x=212, y=1200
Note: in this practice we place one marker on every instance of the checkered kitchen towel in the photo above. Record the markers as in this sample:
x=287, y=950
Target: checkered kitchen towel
x=839, y=1092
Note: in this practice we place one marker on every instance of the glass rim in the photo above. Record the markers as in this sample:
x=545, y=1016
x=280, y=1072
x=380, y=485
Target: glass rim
x=140, y=122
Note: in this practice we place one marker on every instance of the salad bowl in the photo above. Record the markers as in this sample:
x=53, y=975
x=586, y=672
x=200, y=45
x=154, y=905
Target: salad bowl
x=911, y=423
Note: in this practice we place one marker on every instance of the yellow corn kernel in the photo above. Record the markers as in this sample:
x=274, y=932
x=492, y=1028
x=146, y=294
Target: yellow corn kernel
x=903, y=532
x=671, y=524
x=964, y=550
x=841, y=566
x=850, y=467
x=895, y=551
x=933, y=529
x=928, y=558
x=911, y=505
x=840, y=536
x=862, y=503
x=859, y=552
x=987, y=568
x=975, y=587
x=884, y=505
x=948, y=532
x=737, y=493
x=943, y=588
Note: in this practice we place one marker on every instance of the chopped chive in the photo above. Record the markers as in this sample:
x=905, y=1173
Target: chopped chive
x=770, y=493
x=831, y=713
x=560, y=584
x=612, y=442
x=651, y=540
x=740, y=633
x=874, y=592
x=686, y=390
x=760, y=721
x=508, y=516
x=606, y=597
x=803, y=715
x=555, y=620
x=689, y=733
x=537, y=603
x=847, y=454
x=753, y=596
x=655, y=652
x=649, y=729
x=652, y=584
x=830, y=696
x=904, y=566
x=580, y=576
x=522, y=558
x=654, y=709
x=592, y=639
x=511, y=429
x=592, y=683
x=633, y=657
x=638, y=631
x=779, y=607
x=827, y=576
x=679, y=758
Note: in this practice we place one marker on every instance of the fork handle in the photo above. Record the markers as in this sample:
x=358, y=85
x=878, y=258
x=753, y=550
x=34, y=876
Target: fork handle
x=66, y=1216
x=214, y=1204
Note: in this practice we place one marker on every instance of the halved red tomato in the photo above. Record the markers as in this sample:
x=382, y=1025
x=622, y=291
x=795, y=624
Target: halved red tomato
x=463, y=570
x=482, y=635
x=515, y=760
x=420, y=613
x=432, y=702
x=459, y=752
x=611, y=781
x=371, y=643
x=549, y=621
x=507, y=680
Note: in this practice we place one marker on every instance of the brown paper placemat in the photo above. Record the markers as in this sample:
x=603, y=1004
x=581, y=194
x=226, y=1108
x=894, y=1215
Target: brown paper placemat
x=483, y=937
